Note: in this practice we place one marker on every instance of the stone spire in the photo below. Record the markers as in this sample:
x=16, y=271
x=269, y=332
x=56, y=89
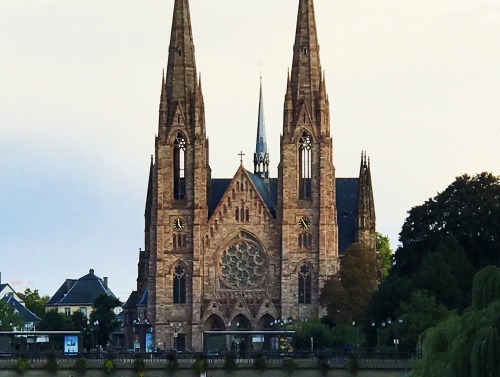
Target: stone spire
x=261, y=157
x=306, y=66
x=366, y=206
x=181, y=67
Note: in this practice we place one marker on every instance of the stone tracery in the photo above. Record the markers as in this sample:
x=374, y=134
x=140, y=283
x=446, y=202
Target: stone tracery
x=243, y=264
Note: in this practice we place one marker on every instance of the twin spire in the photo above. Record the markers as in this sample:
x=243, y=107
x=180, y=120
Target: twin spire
x=180, y=85
x=181, y=67
x=306, y=67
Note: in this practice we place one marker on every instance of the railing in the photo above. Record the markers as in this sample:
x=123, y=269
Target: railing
x=365, y=359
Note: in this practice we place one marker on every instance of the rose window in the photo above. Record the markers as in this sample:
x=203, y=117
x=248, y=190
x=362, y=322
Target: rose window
x=243, y=265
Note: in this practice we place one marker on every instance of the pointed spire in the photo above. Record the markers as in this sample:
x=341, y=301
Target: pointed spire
x=261, y=144
x=149, y=195
x=306, y=67
x=261, y=157
x=366, y=206
x=288, y=95
x=181, y=68
x=163, y=96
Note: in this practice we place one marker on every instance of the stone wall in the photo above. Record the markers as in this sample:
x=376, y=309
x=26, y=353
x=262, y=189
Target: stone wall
x=157, y=369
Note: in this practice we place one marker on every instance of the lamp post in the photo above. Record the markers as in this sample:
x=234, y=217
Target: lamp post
x=176, y=329
x=136, y=330
x=383, y=324
x=396, y=340
x=298, y=296
x=357, y=336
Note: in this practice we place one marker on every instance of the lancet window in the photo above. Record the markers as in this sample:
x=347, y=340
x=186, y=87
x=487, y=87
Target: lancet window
x=179, y=167
x=304, y=284
x=305, y=166
x=179, y=285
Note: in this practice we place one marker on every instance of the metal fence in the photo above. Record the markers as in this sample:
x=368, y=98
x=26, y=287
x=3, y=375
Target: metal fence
x=183, y=358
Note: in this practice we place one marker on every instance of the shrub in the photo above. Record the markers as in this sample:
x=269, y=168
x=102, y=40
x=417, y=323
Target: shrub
x=22, y=365
x=323, y=365
x=200, y=364
x=352, y=364
x=51, y=364
x=290, y=365
x=230, y=362
x=172, y=362
x=139, y=366
x=260, y=362
x=81, y=366
x=109, y=366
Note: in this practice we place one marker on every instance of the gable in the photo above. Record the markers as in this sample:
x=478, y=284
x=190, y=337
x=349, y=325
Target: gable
x=224, y=193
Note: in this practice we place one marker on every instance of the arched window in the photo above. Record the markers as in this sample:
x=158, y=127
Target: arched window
x=305, y=166
x=179, y=167
x=304, y=284
x=179, y=285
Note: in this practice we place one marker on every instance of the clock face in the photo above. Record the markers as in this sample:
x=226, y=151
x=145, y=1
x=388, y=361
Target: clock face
x=179, y=224
x=304, y=223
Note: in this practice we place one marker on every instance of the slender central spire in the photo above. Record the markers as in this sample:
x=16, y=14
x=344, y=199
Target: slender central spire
x=181, y=68
x=306, y=66
x=261, y=157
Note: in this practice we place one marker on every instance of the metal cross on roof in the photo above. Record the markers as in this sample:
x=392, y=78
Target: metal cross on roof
x=241, y=154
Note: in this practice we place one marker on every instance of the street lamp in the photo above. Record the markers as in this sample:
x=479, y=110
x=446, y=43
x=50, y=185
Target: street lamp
x=298, y=296
x=396, y=340
x=137, y=344
x=176, y=330
x=357, y=336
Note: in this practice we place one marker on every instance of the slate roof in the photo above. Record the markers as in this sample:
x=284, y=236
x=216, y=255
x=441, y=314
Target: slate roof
x=80, y=292
x=144, y=299
x=131, y=301
x=23, y=311
x=347, y=211
x=217, y=188
x=346, y=200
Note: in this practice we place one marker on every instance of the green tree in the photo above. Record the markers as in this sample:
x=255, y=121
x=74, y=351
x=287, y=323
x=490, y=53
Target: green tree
x=447, y=274
x=54, y=321
x=103, y=312
x=34, y=301
x=443, y=243
x=467, y=345
x=469, y=210
x=384, y=251
x=9, y=319
x=346, y=294
x=418, y=314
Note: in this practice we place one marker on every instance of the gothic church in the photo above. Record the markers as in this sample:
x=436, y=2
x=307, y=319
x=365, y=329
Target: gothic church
x=239, y=253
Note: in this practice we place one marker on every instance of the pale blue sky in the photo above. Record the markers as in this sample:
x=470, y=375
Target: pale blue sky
x=415, y=83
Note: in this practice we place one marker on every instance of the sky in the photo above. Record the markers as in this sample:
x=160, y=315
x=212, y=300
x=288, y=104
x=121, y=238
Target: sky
x=414, y=83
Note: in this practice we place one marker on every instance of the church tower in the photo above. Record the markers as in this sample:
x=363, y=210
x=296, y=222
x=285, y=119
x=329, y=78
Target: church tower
x=226, y=258
x=181, y=176
x=306, y=193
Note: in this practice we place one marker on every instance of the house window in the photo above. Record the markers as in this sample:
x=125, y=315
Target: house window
x=304, y=284
x=67, y=311
x=305, y=166
x=84, y=311
x=179, y=285
x=179, y=167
